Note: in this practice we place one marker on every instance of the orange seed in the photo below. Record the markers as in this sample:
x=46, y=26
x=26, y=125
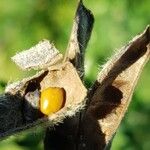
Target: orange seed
x=52, y=100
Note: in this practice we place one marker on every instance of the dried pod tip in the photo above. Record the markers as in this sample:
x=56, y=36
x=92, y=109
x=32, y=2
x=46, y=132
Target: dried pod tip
x=52, y=100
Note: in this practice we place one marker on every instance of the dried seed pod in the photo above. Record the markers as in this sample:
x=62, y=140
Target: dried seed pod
x=61, y=76
x=65, y=76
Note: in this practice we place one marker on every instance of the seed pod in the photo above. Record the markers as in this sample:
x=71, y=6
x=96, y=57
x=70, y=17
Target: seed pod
x=34, y=90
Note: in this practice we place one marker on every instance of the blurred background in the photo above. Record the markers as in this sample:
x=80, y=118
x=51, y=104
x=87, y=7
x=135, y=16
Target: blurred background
x=24, y=23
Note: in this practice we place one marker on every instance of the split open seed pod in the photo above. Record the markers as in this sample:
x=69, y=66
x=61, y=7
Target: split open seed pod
x=54, y=77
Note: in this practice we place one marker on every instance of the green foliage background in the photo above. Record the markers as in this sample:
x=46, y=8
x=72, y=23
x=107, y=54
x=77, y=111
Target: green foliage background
x=25, y=22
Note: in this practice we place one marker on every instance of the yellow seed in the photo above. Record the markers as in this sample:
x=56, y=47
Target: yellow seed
x=52, y=100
